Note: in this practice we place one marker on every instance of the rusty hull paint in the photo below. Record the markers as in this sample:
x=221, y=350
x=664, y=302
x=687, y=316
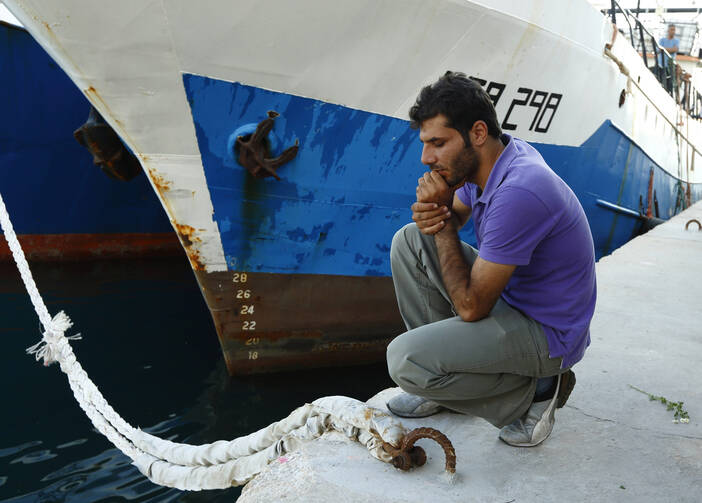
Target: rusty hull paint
x=190, y=240
x=97, y=101
x=162, y=185
x=301, y=320
x=71, y=247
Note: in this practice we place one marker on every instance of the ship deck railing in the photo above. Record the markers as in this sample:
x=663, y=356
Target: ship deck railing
x=671, y=76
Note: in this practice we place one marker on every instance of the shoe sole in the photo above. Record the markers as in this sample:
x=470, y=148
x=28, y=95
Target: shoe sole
x=547, y=419
x=526, y=444
x=567, y=385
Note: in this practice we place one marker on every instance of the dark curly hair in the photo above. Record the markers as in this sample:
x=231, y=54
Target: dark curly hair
x=462, y=100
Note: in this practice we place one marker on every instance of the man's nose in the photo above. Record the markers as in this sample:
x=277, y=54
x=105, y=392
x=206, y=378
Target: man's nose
x=428, y=157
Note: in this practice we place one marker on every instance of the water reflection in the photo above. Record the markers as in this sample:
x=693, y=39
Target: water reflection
x=9, y=451
x=149, y=345
x=34, y=457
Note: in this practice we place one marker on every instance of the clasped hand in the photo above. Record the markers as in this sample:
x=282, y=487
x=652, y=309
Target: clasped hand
x=432, y=210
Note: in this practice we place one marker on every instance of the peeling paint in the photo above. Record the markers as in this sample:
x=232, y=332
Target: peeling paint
x=189, y=240
x=105, y=111
x=334, y=192
x=162, y=185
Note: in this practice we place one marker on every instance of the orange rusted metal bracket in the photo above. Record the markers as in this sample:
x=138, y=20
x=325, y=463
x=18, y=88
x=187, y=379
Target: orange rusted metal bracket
x=409, y=455
x=254, y=151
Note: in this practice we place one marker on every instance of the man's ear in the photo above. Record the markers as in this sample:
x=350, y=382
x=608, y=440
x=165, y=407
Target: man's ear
x=478, y=133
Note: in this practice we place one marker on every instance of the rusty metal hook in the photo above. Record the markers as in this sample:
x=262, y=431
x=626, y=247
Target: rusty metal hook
x=694, y=220
x=255, y=154
x=409, y=455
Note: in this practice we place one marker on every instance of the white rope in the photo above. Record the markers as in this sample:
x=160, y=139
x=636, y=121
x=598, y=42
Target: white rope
x=217, y=465
x=23, y=267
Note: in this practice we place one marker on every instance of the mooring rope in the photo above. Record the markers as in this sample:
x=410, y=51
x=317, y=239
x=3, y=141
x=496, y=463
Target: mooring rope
x=217, y=465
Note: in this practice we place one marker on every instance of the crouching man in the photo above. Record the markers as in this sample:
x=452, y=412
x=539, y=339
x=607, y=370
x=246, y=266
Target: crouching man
x=491, y=332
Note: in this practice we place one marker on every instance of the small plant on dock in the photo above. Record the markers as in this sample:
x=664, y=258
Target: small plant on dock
x=680, y=414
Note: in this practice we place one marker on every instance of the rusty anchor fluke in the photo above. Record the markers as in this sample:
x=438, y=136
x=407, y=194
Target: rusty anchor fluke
x=255, y=154
x=107, y=148
x=409, y=455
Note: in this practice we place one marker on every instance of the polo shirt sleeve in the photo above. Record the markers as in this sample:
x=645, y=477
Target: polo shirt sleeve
x=515, y=222
x=463, y=194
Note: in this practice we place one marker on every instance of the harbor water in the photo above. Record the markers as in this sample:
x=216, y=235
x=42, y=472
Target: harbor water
x=150, y=347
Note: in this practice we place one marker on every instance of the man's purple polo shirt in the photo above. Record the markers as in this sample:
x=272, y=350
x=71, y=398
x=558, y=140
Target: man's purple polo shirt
x=527, y=216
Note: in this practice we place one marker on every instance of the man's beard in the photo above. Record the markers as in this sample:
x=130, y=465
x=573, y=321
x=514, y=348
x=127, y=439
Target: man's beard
x=462, y=168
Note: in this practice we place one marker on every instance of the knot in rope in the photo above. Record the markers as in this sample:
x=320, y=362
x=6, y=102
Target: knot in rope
x=49, y=348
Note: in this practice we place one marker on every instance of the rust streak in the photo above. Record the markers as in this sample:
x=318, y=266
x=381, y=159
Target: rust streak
x=73, y=247
x=188, y=238
x=186, y=233
x=162, y=185
x=105, y=111
x=91, y=91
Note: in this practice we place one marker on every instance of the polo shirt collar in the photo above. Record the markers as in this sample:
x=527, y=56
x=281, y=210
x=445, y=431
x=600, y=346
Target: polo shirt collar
x=500, y=169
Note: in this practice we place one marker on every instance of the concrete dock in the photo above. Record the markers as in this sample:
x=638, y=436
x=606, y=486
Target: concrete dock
x=609, y=443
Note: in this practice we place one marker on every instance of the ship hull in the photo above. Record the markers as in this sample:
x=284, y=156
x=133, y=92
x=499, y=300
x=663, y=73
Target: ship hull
x=287, y=321
x=340, y=77
x=62, y=206
x=72, y=247
x=332, y=215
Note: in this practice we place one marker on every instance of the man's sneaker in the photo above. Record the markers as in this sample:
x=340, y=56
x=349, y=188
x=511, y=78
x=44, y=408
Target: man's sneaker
x=406, y=405
x=535, y=426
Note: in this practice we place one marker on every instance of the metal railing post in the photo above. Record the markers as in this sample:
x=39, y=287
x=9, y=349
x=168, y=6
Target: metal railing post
x=643, y=43
x=614, y=15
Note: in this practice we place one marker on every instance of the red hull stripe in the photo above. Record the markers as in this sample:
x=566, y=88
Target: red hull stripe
x=66, y=247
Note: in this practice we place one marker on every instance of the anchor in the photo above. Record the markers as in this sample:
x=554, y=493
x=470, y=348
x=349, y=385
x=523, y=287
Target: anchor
x=107, y=148
x=254, y=150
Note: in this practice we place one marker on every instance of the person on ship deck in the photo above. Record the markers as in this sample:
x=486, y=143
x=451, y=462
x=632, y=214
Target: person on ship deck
x=492, y=331
x=672, y=46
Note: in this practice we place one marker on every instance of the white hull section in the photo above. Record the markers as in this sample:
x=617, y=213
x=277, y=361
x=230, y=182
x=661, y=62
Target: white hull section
x=128, y=58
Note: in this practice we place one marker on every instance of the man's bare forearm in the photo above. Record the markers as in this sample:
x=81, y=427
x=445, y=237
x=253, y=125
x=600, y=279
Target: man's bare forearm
x=455, y=271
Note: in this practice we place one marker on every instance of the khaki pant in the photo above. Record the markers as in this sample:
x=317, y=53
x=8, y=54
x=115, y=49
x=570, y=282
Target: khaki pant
x=487, y=368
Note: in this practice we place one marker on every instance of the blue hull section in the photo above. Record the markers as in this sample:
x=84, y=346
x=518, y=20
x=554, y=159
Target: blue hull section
x=611, y=168
x=47, y=179
x=351, y=185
